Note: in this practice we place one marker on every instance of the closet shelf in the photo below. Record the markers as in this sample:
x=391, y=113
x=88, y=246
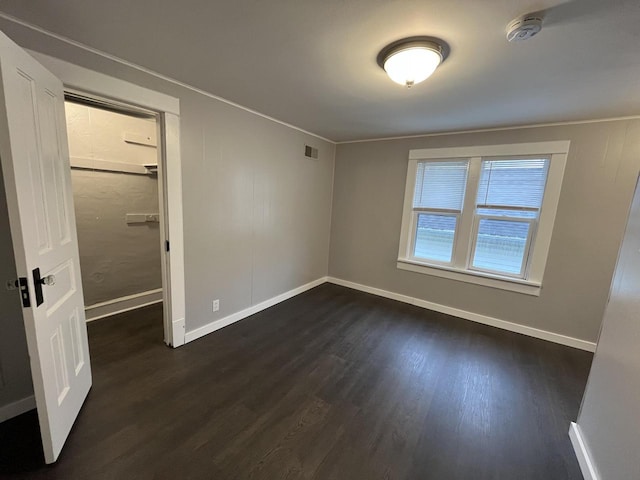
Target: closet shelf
x=85, y=163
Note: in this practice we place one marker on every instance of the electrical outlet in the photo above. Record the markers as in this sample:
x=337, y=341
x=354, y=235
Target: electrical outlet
x=216, y=305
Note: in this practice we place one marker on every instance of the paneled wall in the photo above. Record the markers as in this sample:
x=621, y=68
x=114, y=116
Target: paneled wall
x=15, y=373
x=601, y=173
x=609, y=423
x=257, y=212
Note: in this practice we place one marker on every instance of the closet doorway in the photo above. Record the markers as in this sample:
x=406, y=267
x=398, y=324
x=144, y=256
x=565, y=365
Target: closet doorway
x=115, y=159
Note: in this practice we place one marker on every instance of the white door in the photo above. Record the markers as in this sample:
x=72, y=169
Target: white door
x=35, y=163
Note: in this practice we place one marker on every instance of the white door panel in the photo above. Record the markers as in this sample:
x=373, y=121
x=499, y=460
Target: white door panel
x=35, y=163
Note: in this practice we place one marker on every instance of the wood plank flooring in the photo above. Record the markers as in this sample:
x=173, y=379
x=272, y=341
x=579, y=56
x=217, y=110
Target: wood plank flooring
x=332, y=384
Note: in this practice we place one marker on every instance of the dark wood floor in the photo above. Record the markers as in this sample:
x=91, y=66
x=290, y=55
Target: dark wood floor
x=332, y=384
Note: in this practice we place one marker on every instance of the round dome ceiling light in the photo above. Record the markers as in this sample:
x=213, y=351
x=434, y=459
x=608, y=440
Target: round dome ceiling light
x=412, y=60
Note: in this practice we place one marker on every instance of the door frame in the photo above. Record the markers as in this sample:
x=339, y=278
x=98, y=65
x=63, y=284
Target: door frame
x=89, y=83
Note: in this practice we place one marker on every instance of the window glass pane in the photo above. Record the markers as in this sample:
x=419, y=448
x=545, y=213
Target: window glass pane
x=440, y=184
x=434, y=237
x=515, y=183
x=501, y=245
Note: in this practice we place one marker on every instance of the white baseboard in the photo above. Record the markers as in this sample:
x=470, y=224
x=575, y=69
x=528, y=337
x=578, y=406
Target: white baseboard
x=228, y=320
x=587, y=466
x=474, y=317
x=123, y=304
x=17, y=408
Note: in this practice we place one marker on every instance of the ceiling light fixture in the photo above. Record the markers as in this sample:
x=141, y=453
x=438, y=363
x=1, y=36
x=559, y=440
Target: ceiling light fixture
x=412, y=60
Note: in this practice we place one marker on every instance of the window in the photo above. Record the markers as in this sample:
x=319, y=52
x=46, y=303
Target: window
x=482, y=214
x=437, y=203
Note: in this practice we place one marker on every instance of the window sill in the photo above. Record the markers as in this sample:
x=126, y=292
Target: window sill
x=493, y=281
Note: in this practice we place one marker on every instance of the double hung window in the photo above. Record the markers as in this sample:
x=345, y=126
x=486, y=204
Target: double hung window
x=482, y=212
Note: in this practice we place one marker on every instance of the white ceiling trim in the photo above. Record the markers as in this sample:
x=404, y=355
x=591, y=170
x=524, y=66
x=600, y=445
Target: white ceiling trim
x=140, y=68
x=493, y=129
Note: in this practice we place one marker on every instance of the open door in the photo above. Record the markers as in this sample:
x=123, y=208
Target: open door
x=35, y=163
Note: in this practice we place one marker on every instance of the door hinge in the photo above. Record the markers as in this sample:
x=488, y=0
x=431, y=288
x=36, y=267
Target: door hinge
x=23, y=286
x=166, y=245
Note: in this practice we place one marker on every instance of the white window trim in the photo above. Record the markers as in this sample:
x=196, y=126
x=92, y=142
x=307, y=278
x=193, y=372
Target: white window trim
x=556, y=151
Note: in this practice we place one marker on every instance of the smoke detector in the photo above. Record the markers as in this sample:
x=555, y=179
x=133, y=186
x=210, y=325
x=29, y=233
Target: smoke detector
x=523, y=28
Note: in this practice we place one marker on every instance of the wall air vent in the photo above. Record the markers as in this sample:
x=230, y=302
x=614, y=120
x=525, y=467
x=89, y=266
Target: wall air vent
x=310, y=152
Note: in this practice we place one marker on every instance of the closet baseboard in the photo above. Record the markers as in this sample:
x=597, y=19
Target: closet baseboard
x=17, y=408
x=122, y=304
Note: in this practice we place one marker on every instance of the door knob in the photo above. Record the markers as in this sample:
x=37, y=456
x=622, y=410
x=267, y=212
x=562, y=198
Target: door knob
x=49, y=280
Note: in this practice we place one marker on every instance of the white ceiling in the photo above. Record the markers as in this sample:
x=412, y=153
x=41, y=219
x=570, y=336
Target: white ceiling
x=312, y=63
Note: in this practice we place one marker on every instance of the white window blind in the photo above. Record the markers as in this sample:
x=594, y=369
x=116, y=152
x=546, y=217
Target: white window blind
x=512, y=183
x=440, y=185
x=510, y=193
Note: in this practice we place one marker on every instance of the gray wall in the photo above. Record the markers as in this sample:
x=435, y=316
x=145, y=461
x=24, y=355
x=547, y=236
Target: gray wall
x=256, y=211
x=15, y=373
x=116, y=259
x=600, y=175
x=609, y=419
